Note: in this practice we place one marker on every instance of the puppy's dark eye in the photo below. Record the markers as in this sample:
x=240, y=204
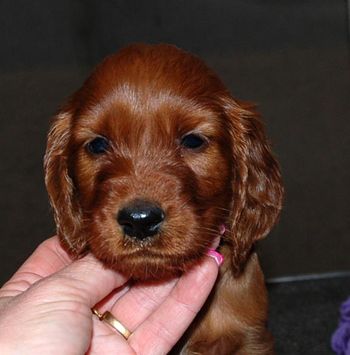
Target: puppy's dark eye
x=193, y=141
x=99, y=145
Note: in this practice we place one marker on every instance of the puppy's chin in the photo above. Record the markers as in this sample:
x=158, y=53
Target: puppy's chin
x=145, y=265
x=141, y=268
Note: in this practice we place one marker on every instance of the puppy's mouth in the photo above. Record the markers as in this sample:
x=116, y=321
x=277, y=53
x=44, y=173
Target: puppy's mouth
x=156, y=257
x=145, y=241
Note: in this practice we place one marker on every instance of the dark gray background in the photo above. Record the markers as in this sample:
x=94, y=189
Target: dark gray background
x=291, y=57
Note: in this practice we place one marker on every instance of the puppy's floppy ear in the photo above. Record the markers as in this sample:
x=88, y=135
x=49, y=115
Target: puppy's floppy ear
x=60, y=186
x=257, y=184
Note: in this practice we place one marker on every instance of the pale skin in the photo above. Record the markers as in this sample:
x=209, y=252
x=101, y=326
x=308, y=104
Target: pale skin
x=45, y=308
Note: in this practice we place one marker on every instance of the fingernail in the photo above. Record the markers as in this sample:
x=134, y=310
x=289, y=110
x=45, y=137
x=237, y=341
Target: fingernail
x=219, y=258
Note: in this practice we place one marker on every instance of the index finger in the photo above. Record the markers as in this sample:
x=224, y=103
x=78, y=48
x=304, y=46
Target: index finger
x=48, y=258
x=161, y=330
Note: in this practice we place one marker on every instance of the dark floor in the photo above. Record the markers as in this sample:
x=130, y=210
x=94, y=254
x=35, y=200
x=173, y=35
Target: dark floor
x=304, y=314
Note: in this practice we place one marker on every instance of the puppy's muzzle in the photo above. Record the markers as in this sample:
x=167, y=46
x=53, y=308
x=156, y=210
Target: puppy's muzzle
x=140, y=219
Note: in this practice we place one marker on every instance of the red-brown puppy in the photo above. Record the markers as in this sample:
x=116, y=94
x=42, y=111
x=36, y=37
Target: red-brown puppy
x=144, y=165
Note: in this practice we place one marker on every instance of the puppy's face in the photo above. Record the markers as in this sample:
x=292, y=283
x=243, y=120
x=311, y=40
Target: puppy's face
x=140, y=165
x=152, y=176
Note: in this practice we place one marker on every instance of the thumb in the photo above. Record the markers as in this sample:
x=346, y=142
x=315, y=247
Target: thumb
x=86, y=280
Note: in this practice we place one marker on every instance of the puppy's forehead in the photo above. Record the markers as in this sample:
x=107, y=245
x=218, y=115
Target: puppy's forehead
x=149, y=109
x=144, y=101
x=148, y=84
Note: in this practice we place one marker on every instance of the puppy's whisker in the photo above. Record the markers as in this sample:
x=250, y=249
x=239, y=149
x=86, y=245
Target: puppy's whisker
x=221, y=208
x=185, y=204
x=213, y=232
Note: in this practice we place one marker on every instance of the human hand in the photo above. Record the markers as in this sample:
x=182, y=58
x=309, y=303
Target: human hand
x=46, y=306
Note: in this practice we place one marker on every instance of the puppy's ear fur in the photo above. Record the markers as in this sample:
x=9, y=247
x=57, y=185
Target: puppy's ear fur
x=60, y=186
x=257, y=184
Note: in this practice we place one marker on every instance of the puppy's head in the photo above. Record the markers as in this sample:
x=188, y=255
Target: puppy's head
x=150, y=157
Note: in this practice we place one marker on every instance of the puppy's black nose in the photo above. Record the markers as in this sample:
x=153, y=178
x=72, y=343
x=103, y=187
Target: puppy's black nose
x=140, y=219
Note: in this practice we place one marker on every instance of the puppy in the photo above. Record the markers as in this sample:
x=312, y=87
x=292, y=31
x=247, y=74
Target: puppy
x=147, y=162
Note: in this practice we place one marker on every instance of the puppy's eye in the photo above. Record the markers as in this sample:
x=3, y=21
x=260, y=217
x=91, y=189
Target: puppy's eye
x=99, y=145
x=193, y=141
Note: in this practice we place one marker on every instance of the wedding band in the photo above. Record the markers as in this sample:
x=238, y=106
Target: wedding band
x=108, y=318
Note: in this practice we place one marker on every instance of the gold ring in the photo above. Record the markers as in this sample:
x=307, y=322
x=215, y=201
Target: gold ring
x=108, y=318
